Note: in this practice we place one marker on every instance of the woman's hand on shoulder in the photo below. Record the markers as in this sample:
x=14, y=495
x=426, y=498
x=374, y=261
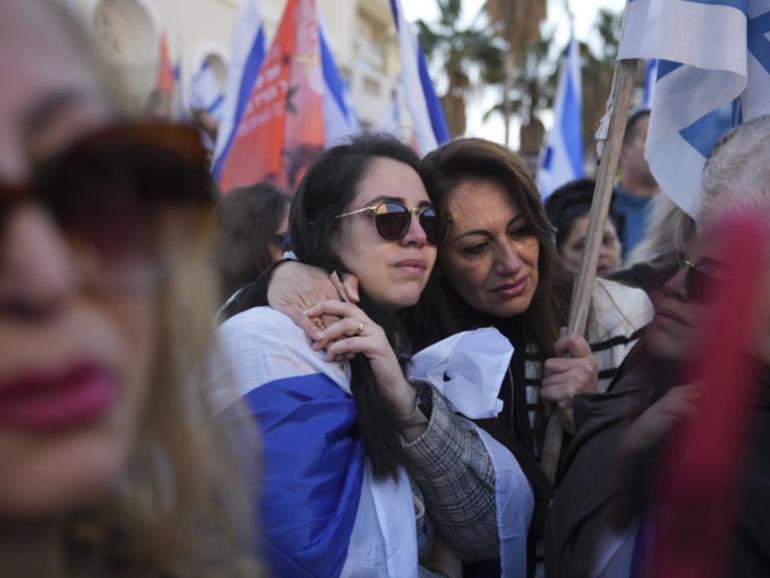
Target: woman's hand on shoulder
x=295, y=287
x=566, y=377
x=354, y=333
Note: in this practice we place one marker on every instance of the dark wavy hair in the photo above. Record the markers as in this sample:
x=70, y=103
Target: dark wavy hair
x=326, y=191
x=249, y=219
x=478, y=160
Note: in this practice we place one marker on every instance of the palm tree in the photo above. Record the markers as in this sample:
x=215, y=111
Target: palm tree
x=531, y=91
x=517, y=22
x=465, y=53
x=598, y=69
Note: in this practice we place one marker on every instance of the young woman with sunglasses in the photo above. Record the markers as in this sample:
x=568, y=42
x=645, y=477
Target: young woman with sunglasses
x=364, y=209
x=108, y=463
x=499, y=267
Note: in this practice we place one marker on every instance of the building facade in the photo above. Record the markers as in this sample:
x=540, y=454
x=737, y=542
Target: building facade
x=361, y=35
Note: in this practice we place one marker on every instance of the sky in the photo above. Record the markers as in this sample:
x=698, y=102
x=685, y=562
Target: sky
x=585, y=12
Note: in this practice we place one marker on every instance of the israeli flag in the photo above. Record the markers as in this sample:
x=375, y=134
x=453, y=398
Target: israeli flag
x=322, y=512
x=340, y=119
x=246, y=56
x=206, y=93
x=562, y=158
x=713, y=73
x=424, y=106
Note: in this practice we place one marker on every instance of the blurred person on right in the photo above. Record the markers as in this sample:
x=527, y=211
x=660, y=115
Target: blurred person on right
x=637, y=185
x=709, y=437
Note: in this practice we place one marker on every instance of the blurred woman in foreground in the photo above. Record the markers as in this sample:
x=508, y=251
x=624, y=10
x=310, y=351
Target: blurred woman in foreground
x=108, y=463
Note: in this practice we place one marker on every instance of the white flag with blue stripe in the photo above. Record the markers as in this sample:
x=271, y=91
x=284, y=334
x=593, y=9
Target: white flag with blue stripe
x=340, y=119
x=713, y=73
x=424, y=106
x=562, y=158
x=246, y=56
x=206, y=94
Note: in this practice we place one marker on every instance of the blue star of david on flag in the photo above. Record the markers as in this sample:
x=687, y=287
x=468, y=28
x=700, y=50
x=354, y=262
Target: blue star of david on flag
x=713, y=74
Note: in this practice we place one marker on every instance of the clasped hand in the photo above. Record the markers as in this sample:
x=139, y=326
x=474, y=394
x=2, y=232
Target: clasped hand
x=566, y=377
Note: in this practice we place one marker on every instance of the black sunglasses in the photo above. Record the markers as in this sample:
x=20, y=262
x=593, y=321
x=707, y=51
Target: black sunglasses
x=392, y=220
x=700, y=279
x=105, y=189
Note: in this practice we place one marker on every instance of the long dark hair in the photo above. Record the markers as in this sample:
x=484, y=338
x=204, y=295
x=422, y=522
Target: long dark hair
x=249, y=219
x=474, y=159
x=326, y=191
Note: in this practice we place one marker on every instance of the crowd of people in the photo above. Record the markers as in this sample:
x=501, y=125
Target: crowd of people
x=354, y=378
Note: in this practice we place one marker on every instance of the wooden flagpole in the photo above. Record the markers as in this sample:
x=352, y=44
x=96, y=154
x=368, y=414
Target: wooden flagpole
x=619, y=102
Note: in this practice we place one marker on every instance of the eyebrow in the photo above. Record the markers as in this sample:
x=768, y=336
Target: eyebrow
x=389, y=199
x=486, y=232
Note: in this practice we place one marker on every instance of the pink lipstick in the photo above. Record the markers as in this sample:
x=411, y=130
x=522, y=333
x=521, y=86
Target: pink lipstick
x=46, y=401
x=511, y=290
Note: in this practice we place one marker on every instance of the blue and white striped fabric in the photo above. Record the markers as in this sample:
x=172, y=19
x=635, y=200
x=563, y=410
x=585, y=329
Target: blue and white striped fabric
x=323, y=513
x=714, y=72
x=340, y=119
x=206, y=93
x=246, y=56
x=424, y=106
x=562, y=157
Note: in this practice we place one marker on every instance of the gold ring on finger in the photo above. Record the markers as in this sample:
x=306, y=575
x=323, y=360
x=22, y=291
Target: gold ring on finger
x=360, y=328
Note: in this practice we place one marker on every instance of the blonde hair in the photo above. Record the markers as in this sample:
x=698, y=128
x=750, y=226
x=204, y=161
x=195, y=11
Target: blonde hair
x=185, y=507
x=668, y=230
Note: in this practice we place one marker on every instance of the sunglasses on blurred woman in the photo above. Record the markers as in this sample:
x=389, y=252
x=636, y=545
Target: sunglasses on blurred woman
x=701, y=279
x=105, y=190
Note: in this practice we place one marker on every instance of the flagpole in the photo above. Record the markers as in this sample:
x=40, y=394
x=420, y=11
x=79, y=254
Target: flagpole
x=618, y=106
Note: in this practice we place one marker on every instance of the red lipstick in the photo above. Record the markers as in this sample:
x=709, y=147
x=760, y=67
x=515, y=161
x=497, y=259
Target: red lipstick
x=46, y=401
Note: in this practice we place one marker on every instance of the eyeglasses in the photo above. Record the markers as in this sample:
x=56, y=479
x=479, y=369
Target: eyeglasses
x=700, y=279
x=106, y=189
x=393, y=219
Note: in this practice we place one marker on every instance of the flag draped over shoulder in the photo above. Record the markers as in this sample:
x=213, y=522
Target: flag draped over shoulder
x=562, y=157
x=424, y=106
x=713, y=73
x=322, y=512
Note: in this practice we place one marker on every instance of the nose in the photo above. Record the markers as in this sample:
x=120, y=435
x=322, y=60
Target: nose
x=675, y=285
x=507, y=259
x=415, y=235
x=36, y=271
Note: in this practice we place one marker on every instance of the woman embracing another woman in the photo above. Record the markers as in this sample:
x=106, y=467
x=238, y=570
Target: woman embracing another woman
x=368, y=472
